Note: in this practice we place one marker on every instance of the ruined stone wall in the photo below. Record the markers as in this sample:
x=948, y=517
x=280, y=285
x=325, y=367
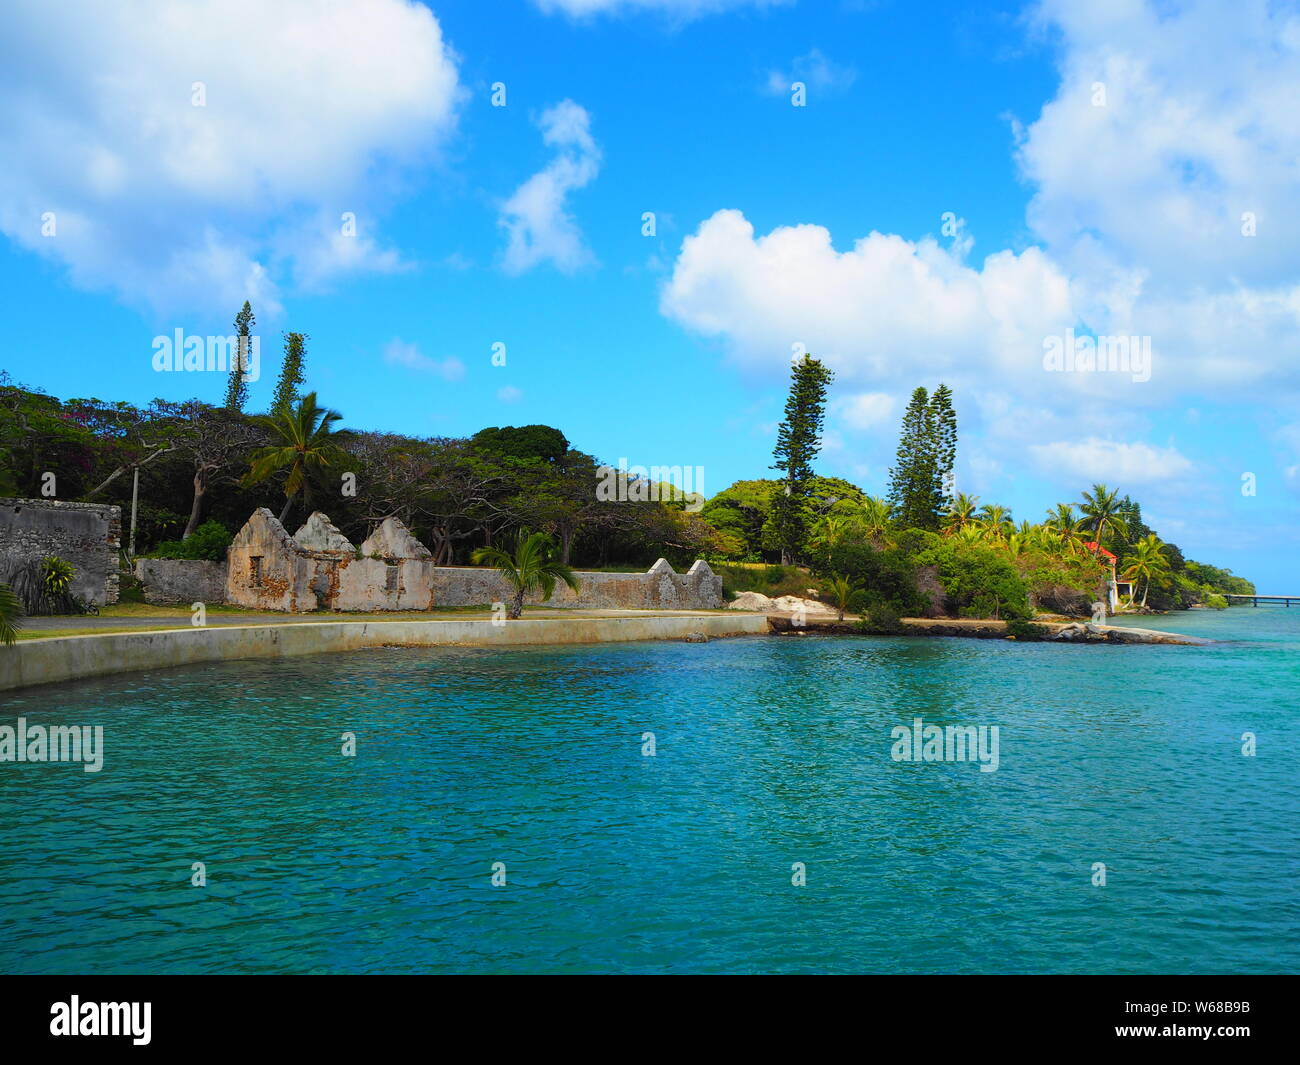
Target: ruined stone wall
x=317, y=568
x=87, y=535
x=659, y=589
x=175, y=580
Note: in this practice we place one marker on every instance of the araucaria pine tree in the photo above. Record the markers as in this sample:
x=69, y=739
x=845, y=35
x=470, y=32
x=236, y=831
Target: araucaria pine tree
x=237, y=386
x=944, y=419
x=921, y=484
x=291, y=373
x=798, y=440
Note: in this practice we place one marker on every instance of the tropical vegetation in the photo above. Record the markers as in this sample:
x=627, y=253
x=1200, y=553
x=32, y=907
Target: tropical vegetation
x=922, y=546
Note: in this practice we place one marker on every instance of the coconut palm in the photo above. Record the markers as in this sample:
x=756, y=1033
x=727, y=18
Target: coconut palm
x=305, y=444
x=1062, y=518
x=961, y=511
x=1063, y=521
x=1101, y=513
x=11, y=612
x=532, y=568
x=1146, y=563
x=994, y=521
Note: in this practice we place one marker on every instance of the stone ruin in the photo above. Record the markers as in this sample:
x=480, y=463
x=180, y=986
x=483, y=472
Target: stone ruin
x=319, y=568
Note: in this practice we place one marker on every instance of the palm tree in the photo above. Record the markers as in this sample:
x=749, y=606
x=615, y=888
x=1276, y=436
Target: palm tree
x=305, y=444
x=11, y=612
x=960, y=511
x=1147, y=563
x=1062, y=520
x=873, y=519
x=829, y=531
x=842, y=590
x=533, y=567
x=995, y=521
x=1101, y=513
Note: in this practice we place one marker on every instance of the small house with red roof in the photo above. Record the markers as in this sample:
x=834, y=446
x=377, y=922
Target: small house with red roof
x=1118, y=590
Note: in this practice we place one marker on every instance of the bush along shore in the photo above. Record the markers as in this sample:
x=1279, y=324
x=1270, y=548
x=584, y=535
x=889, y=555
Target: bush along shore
x=981, y=629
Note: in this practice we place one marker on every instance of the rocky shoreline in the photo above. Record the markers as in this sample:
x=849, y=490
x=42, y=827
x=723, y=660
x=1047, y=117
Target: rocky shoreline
x=792, y=616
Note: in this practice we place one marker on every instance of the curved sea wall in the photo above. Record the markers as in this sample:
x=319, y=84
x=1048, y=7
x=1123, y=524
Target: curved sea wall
x=75, y=657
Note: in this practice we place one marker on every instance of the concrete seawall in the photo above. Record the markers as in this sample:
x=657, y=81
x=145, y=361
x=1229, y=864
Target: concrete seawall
x=70, y=658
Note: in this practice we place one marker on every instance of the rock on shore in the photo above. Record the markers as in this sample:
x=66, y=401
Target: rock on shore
x=784, y=604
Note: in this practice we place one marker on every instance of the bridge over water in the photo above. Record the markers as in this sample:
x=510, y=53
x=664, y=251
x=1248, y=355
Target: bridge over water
x=1257, y=599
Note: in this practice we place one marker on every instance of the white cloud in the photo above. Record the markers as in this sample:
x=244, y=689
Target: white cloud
x=536, y=217
x=509, y=394
x=1111, y=461
x=1199, y=125
x=679, y=10
x=1137, y=211
x=398, y=352
x=309, y=106
x=886, y=311
x=865, y=410
x=1142, y=200
x=822, y=75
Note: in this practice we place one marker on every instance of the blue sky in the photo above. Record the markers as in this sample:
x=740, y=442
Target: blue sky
x=1119, y=212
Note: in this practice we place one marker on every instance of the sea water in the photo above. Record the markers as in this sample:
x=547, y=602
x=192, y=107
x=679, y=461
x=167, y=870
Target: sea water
x=734, y=806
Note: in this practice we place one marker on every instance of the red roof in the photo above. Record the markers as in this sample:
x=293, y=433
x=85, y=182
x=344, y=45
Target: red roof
x=1097, y=549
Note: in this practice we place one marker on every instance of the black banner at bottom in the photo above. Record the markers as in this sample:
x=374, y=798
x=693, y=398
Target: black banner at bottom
x=342, y=1013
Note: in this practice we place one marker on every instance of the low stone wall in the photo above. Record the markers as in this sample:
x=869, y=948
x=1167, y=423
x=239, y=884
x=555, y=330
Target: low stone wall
x=70, y=658
x=87, y=535
x=174, y=580
x=661, y=588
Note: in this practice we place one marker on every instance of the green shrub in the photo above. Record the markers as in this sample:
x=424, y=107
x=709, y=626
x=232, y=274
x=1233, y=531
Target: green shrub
x=882, y=618
x=56, y=574
x=129, y=588
x=1026, y=630
x=737, y=578
x=859, y=601
x=207, y=543
x=887, y=578
x=1215, y=601
x=979, y=581
x=11, y=613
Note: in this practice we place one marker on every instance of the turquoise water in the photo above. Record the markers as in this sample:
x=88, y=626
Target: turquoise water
x=770, y=751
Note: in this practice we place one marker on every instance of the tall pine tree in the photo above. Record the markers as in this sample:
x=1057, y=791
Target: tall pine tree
x=291, y=372
x=921, y=484
x=798, y=440
x=944, y=419
x=237, y=386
